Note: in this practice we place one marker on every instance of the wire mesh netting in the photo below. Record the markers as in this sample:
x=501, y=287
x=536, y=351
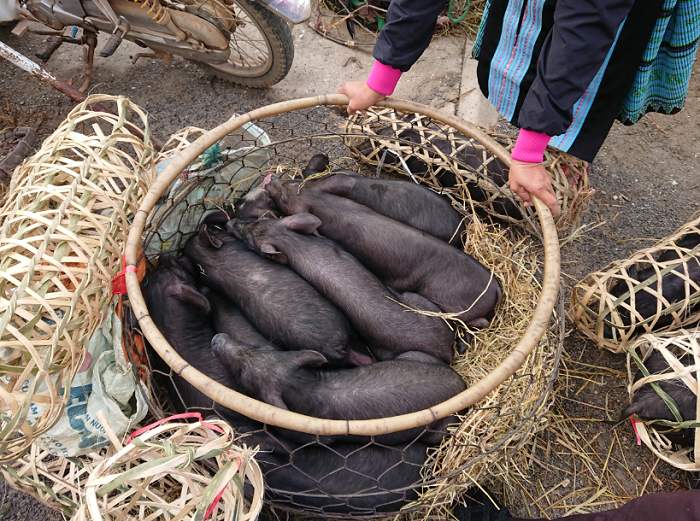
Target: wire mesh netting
x=346, y=477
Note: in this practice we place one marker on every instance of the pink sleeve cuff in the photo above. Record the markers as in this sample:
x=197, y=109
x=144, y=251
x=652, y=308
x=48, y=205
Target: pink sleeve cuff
x=530, y=146
x=383, y=78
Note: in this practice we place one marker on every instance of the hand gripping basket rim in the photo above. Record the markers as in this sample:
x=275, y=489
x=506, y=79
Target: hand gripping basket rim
x=286, y=419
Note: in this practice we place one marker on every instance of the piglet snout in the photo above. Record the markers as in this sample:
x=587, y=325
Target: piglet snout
x=267, y=179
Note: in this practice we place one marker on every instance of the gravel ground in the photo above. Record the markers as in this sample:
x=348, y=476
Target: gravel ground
x=654, y=164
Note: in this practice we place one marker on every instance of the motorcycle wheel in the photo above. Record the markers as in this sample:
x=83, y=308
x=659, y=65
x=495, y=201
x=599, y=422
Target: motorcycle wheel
x=262, y=49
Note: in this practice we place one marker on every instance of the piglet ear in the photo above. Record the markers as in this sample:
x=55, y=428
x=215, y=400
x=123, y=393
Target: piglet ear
x=219, y=217
x=318, y=163
x=226, y=350
x=272, y=252
x=269, y=181
x=308, y=358
x=232, y=227
x=338, y=184
x=302, y=222
x=207, y=238
x=186, y=264
x=633, y=272
x=273, y=398
x=190, y=296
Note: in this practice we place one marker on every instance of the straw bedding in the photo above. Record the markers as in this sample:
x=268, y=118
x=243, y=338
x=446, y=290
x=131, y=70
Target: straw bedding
x=509, y=416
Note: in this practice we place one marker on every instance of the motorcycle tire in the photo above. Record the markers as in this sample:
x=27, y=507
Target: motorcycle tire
x=260, y=28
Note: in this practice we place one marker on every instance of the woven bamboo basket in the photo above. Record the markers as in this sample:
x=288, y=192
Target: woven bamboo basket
x=509, y=384
x=64, y=225
x=612, y=306
x=55, y=481
x=175, y=470
x=672, y=346
x=471, y=162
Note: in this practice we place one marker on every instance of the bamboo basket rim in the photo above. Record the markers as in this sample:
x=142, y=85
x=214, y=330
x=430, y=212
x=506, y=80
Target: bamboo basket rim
x=271, y=415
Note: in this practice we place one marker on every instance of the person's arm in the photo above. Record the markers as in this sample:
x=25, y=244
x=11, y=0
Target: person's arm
x=410, y=25
x=573, y=53
x=409, y=28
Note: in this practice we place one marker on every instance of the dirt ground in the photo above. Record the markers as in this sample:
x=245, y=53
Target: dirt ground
x=647, y=181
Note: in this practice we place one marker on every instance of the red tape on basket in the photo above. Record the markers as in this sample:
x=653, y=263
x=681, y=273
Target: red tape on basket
x=181, y=416
x=119, y=281
x=634, y=426
x=218, y=496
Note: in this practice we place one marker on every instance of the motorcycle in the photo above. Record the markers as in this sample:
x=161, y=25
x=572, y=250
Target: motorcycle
x=247, y=42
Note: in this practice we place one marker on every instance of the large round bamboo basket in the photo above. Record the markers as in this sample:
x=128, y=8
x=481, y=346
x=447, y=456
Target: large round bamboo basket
x=504, y=373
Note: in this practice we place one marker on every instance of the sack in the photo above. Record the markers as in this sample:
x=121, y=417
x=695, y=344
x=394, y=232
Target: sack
x=105, y=382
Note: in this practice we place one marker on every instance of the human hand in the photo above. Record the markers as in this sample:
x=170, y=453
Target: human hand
x=528, y=179
x=361, y=96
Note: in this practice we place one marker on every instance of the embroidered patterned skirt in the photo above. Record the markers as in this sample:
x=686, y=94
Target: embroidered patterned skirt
x=661, y=83
x=647, y=69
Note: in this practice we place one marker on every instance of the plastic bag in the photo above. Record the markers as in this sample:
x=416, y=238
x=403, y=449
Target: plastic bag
x=194, y=197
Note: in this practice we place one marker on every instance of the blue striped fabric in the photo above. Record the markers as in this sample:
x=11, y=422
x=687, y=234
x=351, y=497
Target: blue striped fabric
x=476, y=48
x=583, y=105
x=662, y=80
x=514, y=54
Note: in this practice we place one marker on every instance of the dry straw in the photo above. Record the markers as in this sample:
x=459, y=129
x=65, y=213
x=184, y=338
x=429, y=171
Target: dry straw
x=672, y=347
x=575, y=465
x=64, y=225
x=54, y=480
x=510, y=415
x=612, y=320
x=433, y=143
x=164, y=474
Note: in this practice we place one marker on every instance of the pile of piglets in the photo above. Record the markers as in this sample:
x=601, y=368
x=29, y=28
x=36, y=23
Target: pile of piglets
x=306, y=299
